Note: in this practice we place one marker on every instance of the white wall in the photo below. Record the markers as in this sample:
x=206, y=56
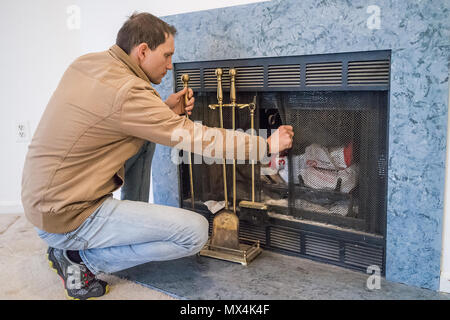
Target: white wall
x=36, y=48
x=40, y=38
x=101, y=19
x=445, y=257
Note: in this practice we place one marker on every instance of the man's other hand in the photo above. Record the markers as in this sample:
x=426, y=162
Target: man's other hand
x=281, y=139
x=176, y=102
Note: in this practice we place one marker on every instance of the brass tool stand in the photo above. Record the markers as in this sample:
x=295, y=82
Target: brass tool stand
x=243, y=253
x=185, y=80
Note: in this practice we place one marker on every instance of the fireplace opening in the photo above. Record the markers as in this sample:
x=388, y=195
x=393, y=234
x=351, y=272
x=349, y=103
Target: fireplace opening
x=326, y=197
x=333, y=173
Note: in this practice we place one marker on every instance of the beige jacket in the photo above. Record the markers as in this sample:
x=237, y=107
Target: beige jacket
x=102, y=111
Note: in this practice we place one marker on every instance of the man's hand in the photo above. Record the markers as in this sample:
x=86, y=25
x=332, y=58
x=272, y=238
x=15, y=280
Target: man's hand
x=281, y=139
x=176, y=102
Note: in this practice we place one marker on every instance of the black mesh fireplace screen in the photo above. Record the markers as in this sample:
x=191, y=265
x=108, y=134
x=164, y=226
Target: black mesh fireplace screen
x=326, y=197
x=333, y=167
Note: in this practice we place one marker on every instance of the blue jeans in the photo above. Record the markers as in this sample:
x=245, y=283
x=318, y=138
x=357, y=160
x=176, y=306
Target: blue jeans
x=121, y=234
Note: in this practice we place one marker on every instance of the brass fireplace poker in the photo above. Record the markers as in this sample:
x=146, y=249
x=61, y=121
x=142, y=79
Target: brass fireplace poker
x=185, y=80
x=224, y=243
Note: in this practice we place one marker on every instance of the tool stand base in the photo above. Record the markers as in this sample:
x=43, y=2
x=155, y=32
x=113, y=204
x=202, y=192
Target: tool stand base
x=246, y=254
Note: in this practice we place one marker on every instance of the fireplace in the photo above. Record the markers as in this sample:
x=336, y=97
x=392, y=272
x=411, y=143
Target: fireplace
x=326, y=197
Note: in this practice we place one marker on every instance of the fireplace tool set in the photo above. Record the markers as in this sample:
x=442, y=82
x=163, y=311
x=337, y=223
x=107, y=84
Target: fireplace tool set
x=225, y=243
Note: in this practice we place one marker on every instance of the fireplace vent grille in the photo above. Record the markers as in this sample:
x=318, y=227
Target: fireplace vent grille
x=357, y=71
x=247, y=77
x=342, y=252
x=194, y=81
x=321, y=247
x=363, y=73
x=284, y=239
x=324, y=74
x=284, y=76
x=363, y=257
x=210, y=79
x=250, y=77
x=252, y=232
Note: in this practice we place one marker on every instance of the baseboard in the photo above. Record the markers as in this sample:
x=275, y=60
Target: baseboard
x=445, y=282
x=7, y=207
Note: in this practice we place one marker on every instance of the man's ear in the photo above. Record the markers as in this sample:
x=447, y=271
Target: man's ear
x=141, y=51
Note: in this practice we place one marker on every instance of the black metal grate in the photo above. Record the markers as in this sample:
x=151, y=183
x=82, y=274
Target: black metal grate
x=362, y=256
x=363, y=73
x=194, y=78
x=285, y=239
x=249, y=77
x=320, y=246
x=283, y=76
x=340, y=71
x=337, y=249
x=324, y=74
x=210, y=78
x=253, y=232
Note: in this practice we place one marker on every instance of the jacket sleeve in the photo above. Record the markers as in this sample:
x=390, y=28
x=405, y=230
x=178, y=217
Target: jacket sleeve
x=144, y=115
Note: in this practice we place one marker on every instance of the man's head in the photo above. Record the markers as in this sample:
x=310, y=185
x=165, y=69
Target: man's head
x=149, y=42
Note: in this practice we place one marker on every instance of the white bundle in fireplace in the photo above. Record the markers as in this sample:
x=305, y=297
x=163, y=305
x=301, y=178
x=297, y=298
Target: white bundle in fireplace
x=323, y=168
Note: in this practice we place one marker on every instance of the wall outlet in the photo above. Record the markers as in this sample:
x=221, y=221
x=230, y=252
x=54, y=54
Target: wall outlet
x=22, y=131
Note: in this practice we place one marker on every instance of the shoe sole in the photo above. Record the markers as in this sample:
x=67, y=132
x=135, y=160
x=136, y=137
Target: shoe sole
x=57, y=271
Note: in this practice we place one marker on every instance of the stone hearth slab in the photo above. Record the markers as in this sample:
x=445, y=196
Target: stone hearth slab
x=269, y=276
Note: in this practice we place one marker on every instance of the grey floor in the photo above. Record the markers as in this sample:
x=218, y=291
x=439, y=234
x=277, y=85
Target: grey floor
x=270, y=276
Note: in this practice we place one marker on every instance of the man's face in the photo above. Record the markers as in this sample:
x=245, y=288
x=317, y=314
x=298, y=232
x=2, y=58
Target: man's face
x=156, y=62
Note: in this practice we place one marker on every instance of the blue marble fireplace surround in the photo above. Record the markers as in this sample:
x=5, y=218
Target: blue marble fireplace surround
x=418, y=33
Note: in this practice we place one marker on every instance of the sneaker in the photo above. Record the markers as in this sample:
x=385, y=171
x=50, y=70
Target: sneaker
x=79, y=282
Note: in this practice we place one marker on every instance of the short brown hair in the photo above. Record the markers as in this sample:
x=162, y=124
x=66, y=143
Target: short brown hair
x=143, y=27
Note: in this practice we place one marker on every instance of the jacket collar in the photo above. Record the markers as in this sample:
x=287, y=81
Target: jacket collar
x=117, y=52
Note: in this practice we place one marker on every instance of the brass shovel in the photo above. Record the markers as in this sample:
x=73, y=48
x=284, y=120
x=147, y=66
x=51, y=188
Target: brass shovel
x=225, y=232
